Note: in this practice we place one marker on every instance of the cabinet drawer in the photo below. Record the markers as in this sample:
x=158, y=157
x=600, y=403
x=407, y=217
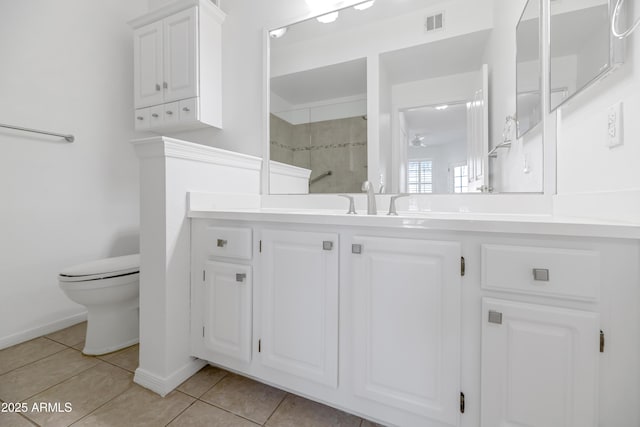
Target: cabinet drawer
x=142, y=119
x=156, y=114
x=171, y=113
x=556, y=272
x=189, y=110
x=227, y=242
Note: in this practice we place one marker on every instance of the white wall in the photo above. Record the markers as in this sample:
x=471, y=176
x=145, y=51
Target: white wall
x=585, y=163
x=66, y=67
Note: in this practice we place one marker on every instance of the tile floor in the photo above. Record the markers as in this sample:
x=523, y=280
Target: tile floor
x=101, y=392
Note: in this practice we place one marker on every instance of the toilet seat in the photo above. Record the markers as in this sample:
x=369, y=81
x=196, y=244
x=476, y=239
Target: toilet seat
x=101, y=269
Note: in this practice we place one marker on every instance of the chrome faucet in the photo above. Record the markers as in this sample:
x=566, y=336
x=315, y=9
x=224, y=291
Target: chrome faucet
x=371, y=198
x=392, y=203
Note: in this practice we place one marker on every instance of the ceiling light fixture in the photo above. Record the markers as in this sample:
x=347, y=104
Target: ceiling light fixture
x=328, y=18
x=277, y=33
x=365, y=5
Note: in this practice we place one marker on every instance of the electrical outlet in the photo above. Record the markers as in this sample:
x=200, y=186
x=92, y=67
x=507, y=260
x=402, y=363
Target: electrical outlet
x=614, y=125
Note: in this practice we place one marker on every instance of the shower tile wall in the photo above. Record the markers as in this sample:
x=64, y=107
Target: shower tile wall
x=339, y=146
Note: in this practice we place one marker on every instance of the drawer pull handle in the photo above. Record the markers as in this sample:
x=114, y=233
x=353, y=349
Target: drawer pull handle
x=495, y=317
x=169, y=112
x=240, y=277
x=222, y=243
x=541, y=274
x=140, y=118
x=356, y=249
x=327, y=245
x=186, y=109
x=157, y=87
x=154, y=115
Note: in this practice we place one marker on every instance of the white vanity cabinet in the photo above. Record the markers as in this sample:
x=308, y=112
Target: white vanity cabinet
x=221, y=293
x=539, y=365
x=540, y=361
x=406, y=308
x=419, y=327
x=177, y=66
x=298, y=302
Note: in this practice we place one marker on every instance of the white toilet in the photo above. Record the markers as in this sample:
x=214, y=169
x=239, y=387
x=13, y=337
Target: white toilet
x=109, y=288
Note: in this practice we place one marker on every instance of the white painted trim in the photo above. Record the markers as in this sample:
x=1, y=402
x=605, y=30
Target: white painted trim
x=164, y=385
x=284, y=169
x=174, y=7
x=41, y=330
x=162, y=146
x=204, y=201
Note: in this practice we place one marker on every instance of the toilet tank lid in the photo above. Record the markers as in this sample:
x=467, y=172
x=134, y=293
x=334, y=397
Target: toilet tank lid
x=119, y=264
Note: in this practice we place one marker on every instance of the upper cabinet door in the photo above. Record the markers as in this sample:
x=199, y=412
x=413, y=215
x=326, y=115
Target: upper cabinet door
x=406, y=311
x=180, y=59
x=539, y=365
x=148, y=65
x=299, y=331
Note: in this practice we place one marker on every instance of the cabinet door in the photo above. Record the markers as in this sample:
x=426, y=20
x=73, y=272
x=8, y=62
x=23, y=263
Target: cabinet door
x=406, y=310
x=299, y=334
x=539, y=365
x=147, y=61
x=225, y=294
x=180, y=61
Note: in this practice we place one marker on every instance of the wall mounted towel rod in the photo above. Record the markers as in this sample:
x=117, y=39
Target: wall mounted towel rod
x=68, y=138
x=319, y=177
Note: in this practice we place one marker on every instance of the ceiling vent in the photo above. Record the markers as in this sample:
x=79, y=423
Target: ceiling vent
x=434, y=22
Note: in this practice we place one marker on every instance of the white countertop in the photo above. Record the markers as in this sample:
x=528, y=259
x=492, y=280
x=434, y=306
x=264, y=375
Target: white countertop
x=444, y=221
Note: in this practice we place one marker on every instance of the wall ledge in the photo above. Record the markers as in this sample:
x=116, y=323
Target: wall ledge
x=162, y=146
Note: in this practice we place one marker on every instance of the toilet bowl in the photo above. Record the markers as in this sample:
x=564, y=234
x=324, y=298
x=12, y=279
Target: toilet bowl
x=109, y=289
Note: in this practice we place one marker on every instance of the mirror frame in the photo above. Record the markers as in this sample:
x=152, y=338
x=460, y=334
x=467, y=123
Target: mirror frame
x=520, y=134
x=616, y=57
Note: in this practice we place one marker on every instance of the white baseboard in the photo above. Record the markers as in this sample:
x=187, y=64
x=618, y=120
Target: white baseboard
x=41, y=330
x=164, y=386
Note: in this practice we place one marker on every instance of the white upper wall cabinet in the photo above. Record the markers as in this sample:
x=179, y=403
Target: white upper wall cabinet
x=177, y=67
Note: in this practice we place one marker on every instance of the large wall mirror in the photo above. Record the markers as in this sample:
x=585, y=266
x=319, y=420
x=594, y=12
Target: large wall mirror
x=582, y=47
x=408, y=94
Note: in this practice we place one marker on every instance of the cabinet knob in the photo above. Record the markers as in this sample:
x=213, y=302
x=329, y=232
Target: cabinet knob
x=155, y=115
x=186, y=109
x=170, y=112
x=327, y=245
x=157, y=87
x=221, y=243
x=165, y=85
x=240, y=277
x=140, y=118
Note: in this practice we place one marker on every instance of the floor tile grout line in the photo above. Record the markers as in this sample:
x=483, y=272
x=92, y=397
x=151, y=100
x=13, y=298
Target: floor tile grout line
x=206, y=391
x=29, y=419
x=34, y=361
x=56, y=384
x=185, y=409
x=117, y=366
x=230, y=412
x=61, y=343
x=276, y=408
x=106, y=402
